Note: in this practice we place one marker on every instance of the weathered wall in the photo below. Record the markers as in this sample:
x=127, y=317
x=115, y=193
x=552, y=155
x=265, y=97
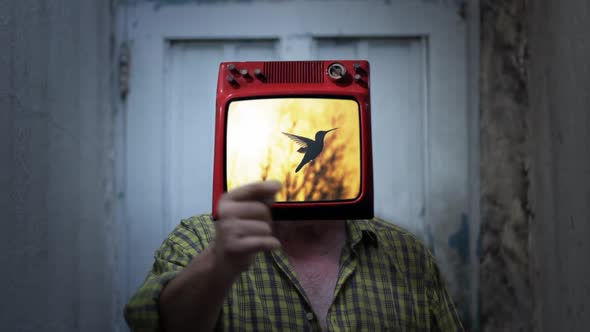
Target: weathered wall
x=56, y=172
x=505, y=294
x=535, y=165
x=559, y=85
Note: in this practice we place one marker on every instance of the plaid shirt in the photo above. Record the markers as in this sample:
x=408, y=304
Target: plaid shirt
x=388, y=281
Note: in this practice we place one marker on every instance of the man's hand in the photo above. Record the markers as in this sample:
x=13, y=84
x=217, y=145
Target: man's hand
x=244, y=226
x=192, y=299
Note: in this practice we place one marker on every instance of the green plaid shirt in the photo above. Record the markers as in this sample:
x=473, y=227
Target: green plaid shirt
x=388, y=281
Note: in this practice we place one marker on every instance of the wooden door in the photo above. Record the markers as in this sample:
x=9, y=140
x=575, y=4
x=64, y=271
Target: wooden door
x=418, y=62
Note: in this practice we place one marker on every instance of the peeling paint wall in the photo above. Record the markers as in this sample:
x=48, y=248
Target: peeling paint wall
x=504, y=282
x=57, y=238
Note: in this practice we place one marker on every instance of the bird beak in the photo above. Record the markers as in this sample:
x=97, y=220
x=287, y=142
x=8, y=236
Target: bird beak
x=331, y=130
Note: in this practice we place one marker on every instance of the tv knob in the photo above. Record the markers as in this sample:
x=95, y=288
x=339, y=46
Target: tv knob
x=232, y=81
x=336, y=71
x=358, y=68
x=232, y=68
x=258, y=73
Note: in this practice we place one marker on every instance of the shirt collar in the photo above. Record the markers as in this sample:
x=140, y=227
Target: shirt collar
x=361, y=230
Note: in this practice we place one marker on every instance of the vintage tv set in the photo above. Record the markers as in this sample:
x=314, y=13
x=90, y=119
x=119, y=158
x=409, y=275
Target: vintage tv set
x=304, y=123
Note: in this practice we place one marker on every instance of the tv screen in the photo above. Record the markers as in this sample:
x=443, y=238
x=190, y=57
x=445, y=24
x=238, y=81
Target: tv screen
x=311, y=145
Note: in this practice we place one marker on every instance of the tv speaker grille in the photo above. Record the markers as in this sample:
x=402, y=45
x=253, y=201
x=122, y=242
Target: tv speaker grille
x=294, y=72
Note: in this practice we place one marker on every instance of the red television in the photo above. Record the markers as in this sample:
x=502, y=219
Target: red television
x=304, y=123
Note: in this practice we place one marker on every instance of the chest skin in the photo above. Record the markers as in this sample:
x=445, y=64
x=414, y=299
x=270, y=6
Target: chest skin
x=318, y=277
x=313, y=249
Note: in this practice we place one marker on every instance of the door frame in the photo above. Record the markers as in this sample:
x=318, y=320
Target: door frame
x=443, y=29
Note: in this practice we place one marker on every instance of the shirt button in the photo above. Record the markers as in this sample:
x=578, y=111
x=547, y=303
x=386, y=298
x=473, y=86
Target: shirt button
x=309, y=316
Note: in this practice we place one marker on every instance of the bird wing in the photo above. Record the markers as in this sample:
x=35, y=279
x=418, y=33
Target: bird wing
x=300, y=140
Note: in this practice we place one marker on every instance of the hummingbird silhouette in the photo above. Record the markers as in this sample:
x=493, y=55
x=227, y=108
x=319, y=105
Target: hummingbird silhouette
x=311, y=148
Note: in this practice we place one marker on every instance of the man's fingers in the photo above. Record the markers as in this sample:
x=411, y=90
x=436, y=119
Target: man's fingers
x=253, y=244
x=255, y=210
x=257, y=191
x=240, y=228
x=244, y=225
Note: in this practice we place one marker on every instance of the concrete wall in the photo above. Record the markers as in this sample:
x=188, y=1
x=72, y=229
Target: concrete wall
x=57, y=242
x=535, y=165
x=505, y=293
x=559, y=85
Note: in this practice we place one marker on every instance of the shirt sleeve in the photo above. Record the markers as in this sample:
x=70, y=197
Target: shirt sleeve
x=142, y=310
x=443, y=314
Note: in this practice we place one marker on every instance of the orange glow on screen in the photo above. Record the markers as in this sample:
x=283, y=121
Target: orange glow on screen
x=267, y=139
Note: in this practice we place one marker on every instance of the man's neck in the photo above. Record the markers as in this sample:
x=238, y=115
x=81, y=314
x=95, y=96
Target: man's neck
x=314, y=249
x=301, y=239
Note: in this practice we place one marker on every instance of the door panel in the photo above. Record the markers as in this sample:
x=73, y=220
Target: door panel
x=192, y=83
x=397, y=114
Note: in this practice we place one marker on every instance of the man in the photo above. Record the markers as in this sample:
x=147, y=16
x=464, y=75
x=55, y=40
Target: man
x=245, y=272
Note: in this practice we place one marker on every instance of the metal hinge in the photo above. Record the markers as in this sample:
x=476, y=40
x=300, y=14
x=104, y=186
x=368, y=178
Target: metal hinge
x=124, y=70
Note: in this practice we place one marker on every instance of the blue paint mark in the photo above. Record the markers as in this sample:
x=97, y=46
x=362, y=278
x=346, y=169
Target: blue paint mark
x=460, y=239
x=430, y=240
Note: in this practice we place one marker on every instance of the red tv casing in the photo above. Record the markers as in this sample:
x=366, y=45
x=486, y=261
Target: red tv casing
x=316, y=79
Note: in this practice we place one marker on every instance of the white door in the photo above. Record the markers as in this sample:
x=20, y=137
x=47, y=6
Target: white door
x=419, y=112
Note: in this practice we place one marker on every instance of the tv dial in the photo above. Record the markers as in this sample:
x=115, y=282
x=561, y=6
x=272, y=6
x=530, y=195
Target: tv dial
x=337, y=71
